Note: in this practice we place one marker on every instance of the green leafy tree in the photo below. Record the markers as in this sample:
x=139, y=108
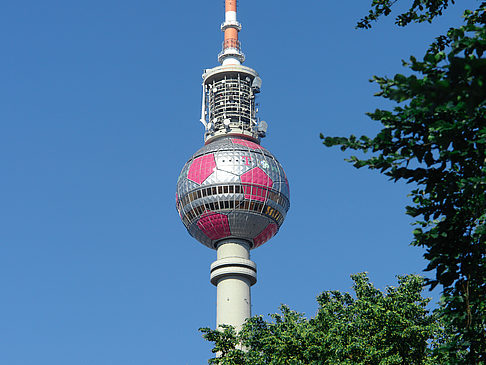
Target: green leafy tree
x=371, y=327
x=435, y=139
x=419, y=11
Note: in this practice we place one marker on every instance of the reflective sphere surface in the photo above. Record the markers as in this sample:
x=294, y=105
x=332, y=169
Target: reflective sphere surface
x=232, y=188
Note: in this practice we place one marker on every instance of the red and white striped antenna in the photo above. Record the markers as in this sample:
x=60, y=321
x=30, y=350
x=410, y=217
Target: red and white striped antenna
x=231, y=53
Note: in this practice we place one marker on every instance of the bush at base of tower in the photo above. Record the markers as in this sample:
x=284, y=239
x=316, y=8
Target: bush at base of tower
x=371, y=327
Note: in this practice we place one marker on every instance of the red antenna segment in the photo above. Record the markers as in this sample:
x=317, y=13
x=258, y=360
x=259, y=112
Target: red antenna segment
x=230, y=33
x=231, y=53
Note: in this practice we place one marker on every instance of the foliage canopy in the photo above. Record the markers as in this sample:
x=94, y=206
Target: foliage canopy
x=370, y=328
x=435, y=139
x=419, y=11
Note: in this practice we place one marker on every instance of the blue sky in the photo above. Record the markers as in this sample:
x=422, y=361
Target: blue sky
x=99, y=109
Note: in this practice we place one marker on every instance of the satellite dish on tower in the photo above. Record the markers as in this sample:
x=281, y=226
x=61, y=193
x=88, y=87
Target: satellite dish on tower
x=256, y=84
x=262, y=128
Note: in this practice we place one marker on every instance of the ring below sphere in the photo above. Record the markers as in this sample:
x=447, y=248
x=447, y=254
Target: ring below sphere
x=232, y=188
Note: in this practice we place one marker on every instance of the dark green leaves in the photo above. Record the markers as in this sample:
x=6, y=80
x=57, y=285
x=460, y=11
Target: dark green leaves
x=435, y=138
x=420, y=11
x=371, y=327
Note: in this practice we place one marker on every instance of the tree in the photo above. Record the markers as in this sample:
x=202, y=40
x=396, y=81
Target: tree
x=420, y=11
x=371, y=328
x=435, y=139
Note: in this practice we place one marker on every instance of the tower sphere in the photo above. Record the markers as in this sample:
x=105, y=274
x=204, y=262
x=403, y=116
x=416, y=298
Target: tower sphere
x=232, y=188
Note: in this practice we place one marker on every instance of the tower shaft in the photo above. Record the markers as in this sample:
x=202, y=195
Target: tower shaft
x=233, y=273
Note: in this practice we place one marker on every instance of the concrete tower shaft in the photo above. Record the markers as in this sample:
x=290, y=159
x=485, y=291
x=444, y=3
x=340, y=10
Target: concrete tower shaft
x=233, y=273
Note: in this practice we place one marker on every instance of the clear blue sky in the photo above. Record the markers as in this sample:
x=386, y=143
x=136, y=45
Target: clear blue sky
x=99, y=109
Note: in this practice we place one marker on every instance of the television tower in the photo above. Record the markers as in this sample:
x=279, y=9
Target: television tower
x=232, y=194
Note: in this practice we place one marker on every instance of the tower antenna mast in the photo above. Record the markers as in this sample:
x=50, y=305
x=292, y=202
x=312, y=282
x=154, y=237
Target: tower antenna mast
x=231, y=53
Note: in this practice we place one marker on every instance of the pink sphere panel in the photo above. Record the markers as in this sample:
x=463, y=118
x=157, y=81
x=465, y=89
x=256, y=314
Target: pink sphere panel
x=265, y=235
x=246, y=143
x=214, y=225
x=201, y=168
x=252, y=182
